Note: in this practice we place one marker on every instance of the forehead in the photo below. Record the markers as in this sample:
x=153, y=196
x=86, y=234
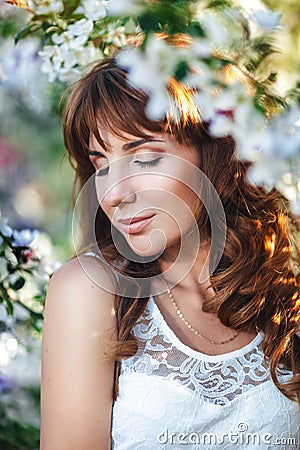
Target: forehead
x=108, y=140
x=164, y=142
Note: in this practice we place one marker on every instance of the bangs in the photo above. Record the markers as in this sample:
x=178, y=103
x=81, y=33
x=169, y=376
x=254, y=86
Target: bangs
x=103, y=99
x=114, y=106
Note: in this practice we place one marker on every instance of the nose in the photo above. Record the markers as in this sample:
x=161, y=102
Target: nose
x=119, y=191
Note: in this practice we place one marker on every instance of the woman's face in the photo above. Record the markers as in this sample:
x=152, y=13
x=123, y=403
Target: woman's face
x=144, y=186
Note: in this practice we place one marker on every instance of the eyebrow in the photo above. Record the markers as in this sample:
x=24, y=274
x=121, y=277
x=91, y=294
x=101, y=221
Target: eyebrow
x=127, y=146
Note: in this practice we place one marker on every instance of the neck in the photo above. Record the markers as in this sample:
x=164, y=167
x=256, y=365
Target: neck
x=186, y=265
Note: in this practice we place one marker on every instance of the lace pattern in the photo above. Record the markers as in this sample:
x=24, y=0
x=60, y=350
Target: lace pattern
x=216, y=379
x=169, y=392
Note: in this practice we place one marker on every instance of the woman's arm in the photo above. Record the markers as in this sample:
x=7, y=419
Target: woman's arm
x=77, y=383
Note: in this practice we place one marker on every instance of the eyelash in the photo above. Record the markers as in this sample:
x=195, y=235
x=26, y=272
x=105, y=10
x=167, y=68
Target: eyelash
x=141, y=164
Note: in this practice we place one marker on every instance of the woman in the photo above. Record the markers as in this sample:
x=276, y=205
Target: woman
x=176, y=323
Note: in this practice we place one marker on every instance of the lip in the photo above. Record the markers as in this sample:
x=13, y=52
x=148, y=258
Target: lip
x=135, y=224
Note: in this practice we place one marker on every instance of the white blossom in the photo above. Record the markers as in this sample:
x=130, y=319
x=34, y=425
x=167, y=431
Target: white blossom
x=58, y=39
x=295, y=208
x=46, y=6
x=128, y=7
x=228, y=110
x=7, y=350
x=24, y=238
x=150, y=71
x=64, y=61
x=222, y=125
x=116, y=36
x=278, y=173
x=13, y=278
x=285, y=130
x=200, y=78
x=204, y=101
x=232, y=97
x=47, y=65
x=5, y=229
x=95, y=9
x=10, y=256
x=81, y=27
x=158, y=104
x=266, y=172
x=76, y=35
x=70, y=52
x=253, y=144
x=201, y=48
x=216, y=34
x=260, y=18
x=267, y=18
x=274, y=149
x=21, y=76
x=3, y=268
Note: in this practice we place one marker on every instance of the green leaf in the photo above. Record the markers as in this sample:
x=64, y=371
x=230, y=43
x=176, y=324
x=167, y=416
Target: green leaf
x=8, y=28
x=69, y=7
x=169, y=16
x=130, y=26
x=15, y=435
x=217, y=63
x=18, y=284
x=293, y=95
x=3, y=294
x=272, y=78
x=34, y=324
x=148, y=23
x=181, y=70
x=41, y=18
x=48, y=27
x=9, y=307
x=195, y=30
x=219, y=4
x=29, y=29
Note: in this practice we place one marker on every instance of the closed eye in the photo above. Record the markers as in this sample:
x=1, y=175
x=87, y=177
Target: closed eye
x=145, y=164
x=141, y=164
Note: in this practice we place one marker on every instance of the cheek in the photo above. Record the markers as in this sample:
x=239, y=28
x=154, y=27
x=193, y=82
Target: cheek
x=105, y=206
x=108, y=211
x=100, y=192
x=176, y=196
x=175, y=203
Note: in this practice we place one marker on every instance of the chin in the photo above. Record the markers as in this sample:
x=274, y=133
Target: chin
x=152, y=245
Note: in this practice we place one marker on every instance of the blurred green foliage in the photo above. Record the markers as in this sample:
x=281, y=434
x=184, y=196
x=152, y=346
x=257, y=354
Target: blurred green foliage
x=288, y=40
x=38, y=139
x=19, y=436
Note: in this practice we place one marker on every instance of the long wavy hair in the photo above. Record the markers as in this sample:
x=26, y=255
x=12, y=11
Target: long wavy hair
x=256, y=282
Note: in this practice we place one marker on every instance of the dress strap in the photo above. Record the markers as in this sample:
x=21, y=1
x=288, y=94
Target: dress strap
x=92, y=254
x=95, y=255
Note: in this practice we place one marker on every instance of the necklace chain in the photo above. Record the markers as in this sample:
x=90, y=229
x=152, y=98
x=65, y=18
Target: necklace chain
x=189, y=325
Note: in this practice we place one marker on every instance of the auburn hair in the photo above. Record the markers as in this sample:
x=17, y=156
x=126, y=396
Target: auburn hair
x=256, y=281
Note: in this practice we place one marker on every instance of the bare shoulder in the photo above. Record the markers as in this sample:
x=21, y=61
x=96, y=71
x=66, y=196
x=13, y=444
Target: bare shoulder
x=77, y=377
x=82, y=281
x=85, y=270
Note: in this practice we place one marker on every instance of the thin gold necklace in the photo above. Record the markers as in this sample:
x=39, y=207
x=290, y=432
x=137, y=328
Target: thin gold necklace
x=189, y=325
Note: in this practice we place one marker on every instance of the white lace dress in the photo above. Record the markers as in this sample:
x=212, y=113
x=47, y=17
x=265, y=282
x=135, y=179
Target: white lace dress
x=173, y=397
